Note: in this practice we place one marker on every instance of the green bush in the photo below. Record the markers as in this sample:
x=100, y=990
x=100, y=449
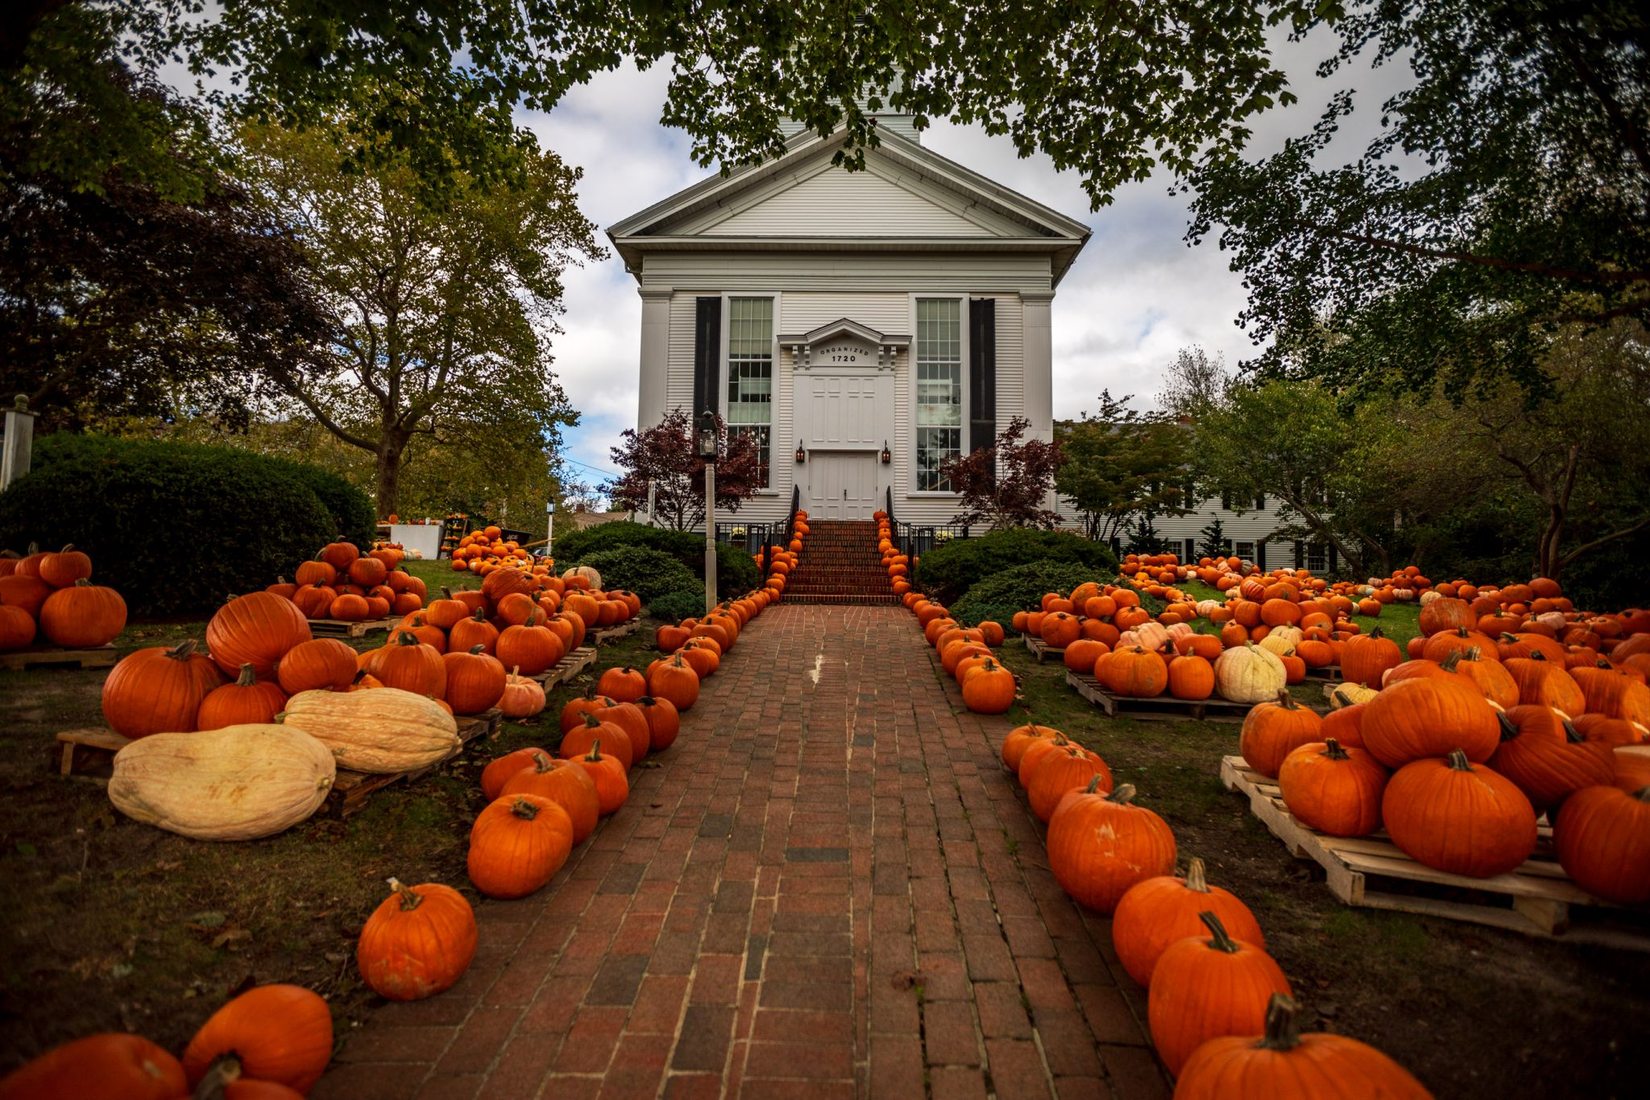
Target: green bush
x=174, y=527
x=736, y=573
x=648, y=573
x=676, y=606
x=353, y=515
x=1020, y=588
x=949, y=571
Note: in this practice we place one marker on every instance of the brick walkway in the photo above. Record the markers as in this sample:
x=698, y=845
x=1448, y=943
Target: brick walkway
x=828, y=888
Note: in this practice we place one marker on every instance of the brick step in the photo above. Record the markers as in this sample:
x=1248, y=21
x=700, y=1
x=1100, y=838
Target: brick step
x=817, y=589
x=867, y=601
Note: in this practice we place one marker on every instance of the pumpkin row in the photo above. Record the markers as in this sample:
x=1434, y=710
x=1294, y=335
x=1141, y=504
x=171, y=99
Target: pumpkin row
x=51, y=596
x=1212, y=990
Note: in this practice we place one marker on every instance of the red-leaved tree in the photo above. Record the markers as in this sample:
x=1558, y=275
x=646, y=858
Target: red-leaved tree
x=1007, y=484
x=666, y=458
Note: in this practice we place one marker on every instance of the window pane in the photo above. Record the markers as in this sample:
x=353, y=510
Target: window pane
x=750, y=373
x=939, y=389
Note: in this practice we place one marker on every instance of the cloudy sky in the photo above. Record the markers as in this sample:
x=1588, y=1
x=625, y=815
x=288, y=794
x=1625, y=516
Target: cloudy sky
x=1136, y=295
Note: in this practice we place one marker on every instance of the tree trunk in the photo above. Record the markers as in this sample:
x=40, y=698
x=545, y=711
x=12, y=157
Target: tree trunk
x=390, y=453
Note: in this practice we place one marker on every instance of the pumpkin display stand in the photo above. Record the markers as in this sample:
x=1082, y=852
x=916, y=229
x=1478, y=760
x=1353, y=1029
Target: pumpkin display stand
x=568, y=667
x=1370, y=872
x=45, y=656
x=344, y=628
x=89, y=754
x=1330, y=673
x=1159, y=708
x=1041, y=649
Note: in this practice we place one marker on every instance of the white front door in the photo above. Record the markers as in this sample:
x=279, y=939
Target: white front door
x=842, y=484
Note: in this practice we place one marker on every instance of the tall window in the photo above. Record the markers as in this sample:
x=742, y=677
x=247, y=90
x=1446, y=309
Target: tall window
x=939, y=389
x=750, y=375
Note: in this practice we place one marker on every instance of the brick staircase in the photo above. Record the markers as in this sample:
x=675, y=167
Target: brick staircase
x=840, y=565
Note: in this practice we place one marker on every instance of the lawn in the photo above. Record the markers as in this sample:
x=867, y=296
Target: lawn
x=1474, y=1011
x=113, y=925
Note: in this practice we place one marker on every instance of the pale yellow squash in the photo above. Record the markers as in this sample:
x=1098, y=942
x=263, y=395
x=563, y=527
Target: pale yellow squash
x=380, y=731
x=235, y=783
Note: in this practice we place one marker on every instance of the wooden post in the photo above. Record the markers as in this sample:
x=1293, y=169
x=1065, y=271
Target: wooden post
x=17, y=447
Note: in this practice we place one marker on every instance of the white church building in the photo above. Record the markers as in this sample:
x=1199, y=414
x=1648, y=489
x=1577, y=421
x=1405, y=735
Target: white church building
x=863, y=325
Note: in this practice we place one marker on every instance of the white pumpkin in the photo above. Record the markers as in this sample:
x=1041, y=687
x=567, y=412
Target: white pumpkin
x=588, y=573
x=378, y=731
x=1280, y=644
x=235, y=783
x=1429, y=595
x=1249, y=674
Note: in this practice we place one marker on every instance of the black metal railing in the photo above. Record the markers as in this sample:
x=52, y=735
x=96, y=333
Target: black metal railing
x=790, y=521
x=916, y=540
x=753, y=538
x=893, y=523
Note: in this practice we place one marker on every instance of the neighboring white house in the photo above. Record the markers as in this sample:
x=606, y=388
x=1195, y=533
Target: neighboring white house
x=1249, y=528
x=837, y=315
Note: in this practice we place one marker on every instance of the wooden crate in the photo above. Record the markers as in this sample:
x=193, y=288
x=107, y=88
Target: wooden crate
x=40, y=656
x=1163, y=708
x=1373, y=873
x=339, y=628
x=568, y=667
x=88, y=751
x=612, y=633
x=1042, y=650
x=1331, y=673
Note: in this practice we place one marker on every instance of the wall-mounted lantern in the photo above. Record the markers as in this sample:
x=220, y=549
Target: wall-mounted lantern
x=887, y=455
x=801, y=453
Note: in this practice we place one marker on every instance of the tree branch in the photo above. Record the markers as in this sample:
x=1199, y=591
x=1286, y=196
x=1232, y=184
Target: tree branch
x=1587, y=547
x=1530, y=267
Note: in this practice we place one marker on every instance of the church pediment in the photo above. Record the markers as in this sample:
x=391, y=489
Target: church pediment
x=845, y=344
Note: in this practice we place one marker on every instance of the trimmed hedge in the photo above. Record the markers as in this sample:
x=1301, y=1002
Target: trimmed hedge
x=1019, y=589
x=736, y=573
x=950, y=571
x=679, y=605
x=651, y=574
x=354, y=517
x=175, y=527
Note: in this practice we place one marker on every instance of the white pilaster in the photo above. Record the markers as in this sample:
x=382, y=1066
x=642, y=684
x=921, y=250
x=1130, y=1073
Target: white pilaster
x=655, y=365
x=1039, y=363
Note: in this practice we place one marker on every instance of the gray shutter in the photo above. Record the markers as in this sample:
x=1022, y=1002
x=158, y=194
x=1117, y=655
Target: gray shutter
x=707, y=355
x=982, y=373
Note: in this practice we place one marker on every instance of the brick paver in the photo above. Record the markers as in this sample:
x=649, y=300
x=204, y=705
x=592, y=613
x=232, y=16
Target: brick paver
x=828, y=887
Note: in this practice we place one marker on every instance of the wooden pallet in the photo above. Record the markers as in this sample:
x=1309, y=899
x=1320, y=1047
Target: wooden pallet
x=103, y=656
x=1331, y=673
x=568, y=667
x=350, y=790
x=1371, y=872
x=612, y=633
x=339, y=628
x=1042, y=650
x=1163, y=708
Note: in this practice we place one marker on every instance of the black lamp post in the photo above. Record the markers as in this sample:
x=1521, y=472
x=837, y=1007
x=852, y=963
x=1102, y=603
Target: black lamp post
x=707, y=452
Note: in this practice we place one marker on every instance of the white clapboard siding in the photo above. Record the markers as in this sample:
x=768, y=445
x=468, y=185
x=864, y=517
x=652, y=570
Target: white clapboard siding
x=838, y=203
x=713, y=272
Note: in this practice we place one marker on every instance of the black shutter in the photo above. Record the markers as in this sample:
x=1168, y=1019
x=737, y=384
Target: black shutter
x=982, y=373
x=707, y=355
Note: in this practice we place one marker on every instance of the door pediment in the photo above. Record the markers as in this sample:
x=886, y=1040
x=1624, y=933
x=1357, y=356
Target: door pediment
x=845, y=344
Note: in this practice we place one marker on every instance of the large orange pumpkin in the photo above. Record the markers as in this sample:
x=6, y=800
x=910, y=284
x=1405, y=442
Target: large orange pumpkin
x=280, y=1033
x=1545, y=756
x=1603, y=840
x=248, y=701
x=256, y=629
x=418, y=942
x=1070, y=768
x=320, y=663
x=1157, y=913
x=1100, y=844
x=106, y=1066
x=1333, y=789
x=563, y=782
x=85, y=614
x=1421, y=718
x=517, y=844
x=158, y=690
x=1271, y=731
x=1206, y=987
x=1460, y=817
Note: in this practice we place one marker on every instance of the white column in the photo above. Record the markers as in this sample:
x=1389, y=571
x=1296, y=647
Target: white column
x=17, y=449
x=655, y=366
x=1039, y=363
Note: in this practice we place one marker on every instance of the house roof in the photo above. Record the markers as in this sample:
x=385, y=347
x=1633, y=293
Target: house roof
x=908, y=198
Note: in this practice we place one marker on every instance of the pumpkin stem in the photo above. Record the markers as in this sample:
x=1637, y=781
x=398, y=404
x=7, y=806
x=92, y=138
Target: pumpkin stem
x=446, y=593
x=182, y=651
x=1122, y=795
x=406, y=637
x=595, y=753
x=247, y=678
x=1287, y=701
x=409, y=900
x=542, y=762
x=1282, y=1032
x=480, y=615
x=85, y=582
x=647, y=701
x=1375, y=632
x=1219, y=940
x=515, y=670
x=1458, y=761
x=477, y=650
x=590, y=720
x=1448, y=663
x=524, y=809
x=1642, y=794
x=1333, y=750
x=219, y=1076
x=1196, y=879
x=1537, y=655
x=1509, y=728
x=1571, y=734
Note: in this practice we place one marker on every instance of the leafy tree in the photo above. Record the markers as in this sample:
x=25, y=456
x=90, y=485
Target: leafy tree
x=1504, y=198
x=665, y=459
x=1143, y=536
x=136, y=278
x=1121, y=463
x=1111, y=91
x=1214, y=543
x=444, y=313
x=1007, y=484
x=1193, y=382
